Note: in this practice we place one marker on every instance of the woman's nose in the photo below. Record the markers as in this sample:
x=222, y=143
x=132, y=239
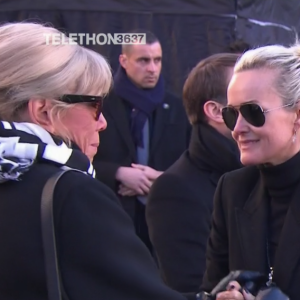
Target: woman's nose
x=102, y=124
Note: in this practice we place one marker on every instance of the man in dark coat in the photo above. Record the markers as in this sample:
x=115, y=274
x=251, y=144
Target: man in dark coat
x=180, y=202
x=147, y=130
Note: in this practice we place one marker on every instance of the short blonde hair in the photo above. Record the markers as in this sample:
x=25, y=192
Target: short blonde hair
x=31, y=68
x=285, y=61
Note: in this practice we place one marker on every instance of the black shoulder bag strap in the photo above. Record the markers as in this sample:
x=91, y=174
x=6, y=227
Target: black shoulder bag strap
x=48, y=233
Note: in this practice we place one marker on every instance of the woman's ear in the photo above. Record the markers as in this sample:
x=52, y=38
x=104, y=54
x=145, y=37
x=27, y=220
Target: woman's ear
x=38, y=111
x=297, y=120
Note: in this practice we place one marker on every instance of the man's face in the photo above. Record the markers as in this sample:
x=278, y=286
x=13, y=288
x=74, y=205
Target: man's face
x=143, y=64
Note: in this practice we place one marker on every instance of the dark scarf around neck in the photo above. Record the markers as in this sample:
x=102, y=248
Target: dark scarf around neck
x=143, y=101
x=215, y=151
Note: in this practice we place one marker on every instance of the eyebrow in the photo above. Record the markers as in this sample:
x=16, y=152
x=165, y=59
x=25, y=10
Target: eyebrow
x=247, y=102
x=251, y=101
x=148, y=58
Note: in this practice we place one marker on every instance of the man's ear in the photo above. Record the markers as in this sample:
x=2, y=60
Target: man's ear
x=213, y=111
x=123, y=60
x=38, y=111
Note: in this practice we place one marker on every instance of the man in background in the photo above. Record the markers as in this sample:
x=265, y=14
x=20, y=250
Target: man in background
x=147, y=129
x=180, y=202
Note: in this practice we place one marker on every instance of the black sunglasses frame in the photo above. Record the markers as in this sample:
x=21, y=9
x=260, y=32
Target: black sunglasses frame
x=96, y=101
x=257, y=120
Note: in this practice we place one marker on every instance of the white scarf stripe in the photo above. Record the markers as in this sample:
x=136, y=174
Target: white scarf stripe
x=91, y=169
x=6, y=125
x=35, y=130
x=24, y=151
x=60, y=157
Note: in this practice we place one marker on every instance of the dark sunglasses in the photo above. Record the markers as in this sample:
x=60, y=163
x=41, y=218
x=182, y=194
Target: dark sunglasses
x=253, y=113
x=94, y=101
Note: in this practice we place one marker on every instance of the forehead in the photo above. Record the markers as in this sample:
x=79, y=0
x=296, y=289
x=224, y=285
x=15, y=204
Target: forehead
x=252, y=85
x=150, y=51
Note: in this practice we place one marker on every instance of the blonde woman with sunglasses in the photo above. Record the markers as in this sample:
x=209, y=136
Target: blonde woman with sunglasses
x=256, y=218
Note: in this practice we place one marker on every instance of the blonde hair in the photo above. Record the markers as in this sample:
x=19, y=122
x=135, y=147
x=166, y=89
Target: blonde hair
x=285, y=61
x=33, y=68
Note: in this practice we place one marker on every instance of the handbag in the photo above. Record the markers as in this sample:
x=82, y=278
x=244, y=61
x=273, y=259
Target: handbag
x=48, y=235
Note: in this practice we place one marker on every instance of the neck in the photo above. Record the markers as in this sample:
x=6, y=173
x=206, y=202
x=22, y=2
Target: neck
x=285, y=156
x=282, y=175
x=221, y=128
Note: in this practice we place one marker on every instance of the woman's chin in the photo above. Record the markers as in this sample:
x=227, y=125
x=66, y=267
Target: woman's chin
x=250, y=159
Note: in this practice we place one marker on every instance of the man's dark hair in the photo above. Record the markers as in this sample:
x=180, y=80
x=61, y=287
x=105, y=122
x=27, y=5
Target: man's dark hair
x=150, y=38
x=238, y=46
x=208, y=80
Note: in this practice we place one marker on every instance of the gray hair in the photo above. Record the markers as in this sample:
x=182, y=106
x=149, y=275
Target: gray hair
x=283, y=60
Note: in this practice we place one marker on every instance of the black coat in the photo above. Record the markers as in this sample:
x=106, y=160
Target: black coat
x=170, y=138
x=239, y=229
x=180, y=204
x=99, y=254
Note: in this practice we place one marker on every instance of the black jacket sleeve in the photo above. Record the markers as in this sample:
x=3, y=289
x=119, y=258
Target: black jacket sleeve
x=100, y=255
x=217, y=262
x=179, y=225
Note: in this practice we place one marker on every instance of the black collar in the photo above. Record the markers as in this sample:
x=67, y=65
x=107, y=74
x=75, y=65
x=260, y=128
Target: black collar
x=212, y=151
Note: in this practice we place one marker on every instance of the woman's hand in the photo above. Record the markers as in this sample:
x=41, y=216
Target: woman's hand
x=234, y=293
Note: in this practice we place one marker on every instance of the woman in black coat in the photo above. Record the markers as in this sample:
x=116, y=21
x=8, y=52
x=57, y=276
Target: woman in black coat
x=256, y=219
x=50, y=107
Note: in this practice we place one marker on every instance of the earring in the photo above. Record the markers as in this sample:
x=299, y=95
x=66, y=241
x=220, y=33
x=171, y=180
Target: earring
x=294, y=136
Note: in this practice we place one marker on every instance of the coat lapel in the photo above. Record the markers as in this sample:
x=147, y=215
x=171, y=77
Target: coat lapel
x=118, y=113
x=287, y=257
x=251, y=227
x=161, y=120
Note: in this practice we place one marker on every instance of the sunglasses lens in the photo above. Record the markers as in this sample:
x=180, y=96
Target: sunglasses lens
x=253, y=114
x=230, y=116
x=97, y=106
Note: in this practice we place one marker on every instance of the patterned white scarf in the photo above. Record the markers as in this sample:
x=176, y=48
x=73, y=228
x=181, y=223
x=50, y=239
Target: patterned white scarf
x=23, y=144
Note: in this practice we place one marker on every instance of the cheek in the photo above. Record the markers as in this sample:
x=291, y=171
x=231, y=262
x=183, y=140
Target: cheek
x=141, y=71
x=84, y=133
x=272, y=144
x=82, y=129
x=159, y=67
x=278, y=133
x=136, y=72
x=87, y=139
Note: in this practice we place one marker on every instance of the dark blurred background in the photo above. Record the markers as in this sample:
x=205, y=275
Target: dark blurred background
x=189, y=30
